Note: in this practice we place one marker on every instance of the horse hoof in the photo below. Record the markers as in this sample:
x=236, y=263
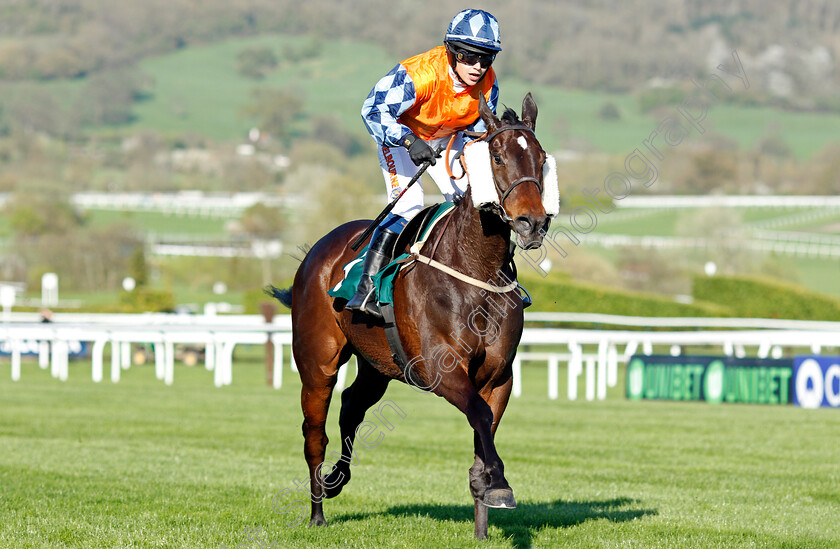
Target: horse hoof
x=334, y=482
x=499, y=498
x=318, y=521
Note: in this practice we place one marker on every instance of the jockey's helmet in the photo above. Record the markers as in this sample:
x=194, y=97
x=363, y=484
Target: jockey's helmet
x=475, y=31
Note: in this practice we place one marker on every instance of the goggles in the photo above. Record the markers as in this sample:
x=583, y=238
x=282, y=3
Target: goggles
x=469, y=58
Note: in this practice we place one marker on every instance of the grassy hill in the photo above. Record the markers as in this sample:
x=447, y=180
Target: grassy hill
x=198, y=90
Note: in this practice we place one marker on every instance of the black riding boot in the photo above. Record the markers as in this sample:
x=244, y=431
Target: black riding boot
x=378, y=254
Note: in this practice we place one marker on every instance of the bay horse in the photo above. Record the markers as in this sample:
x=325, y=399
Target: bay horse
x=463, y=338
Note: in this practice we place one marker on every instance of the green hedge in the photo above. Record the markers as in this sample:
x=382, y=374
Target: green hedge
x=144, y=299
x=254, y=299
x=561, y=294
x=753, y=297
x=140, y=300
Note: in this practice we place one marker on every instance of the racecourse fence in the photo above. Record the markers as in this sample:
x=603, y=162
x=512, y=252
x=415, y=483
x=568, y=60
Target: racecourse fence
x=592, y=356
x=731, y=201
x=765, y=241
x=184, y=203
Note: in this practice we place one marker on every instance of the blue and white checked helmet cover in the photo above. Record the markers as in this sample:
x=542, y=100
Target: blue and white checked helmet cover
x=476, y=27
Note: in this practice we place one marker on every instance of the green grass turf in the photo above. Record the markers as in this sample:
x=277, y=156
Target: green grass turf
x=665, y=222
x=159, y=223
x=199, y=90
x=139, y=464
x=804, y=133
x=656, y=223
x=750, y=215
x=183, y=295
x=829, y=224
x=577, y=111
x=819, y=274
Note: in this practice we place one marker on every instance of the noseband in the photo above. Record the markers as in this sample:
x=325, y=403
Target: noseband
x=504, y=194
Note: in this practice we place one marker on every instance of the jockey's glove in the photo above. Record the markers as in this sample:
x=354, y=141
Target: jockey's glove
x=418, y=150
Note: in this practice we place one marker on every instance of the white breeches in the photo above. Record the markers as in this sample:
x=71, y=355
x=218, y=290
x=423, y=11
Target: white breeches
x=398, y=169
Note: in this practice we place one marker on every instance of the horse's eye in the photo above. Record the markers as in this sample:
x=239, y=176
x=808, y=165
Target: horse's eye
x=497, y=158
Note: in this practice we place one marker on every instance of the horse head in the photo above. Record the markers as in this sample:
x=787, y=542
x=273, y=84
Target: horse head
x=516, y=162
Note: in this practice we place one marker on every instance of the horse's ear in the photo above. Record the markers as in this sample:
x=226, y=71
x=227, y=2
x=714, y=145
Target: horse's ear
x=490, y=120
x=529, y=111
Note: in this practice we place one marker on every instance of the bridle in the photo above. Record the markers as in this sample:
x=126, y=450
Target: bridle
x=500, y=210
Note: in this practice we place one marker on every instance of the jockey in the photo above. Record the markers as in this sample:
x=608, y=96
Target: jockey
x=416, y=108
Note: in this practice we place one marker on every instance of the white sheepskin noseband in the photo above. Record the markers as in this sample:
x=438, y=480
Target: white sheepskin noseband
x=477, y=160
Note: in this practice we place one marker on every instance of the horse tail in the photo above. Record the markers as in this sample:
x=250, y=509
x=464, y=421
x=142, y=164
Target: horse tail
x=283, y=295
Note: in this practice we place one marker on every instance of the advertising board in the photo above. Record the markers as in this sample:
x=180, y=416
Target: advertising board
x=710, y=379
x=816, y=381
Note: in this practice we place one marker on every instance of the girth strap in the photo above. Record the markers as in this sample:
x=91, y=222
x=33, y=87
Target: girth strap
x=392, y=334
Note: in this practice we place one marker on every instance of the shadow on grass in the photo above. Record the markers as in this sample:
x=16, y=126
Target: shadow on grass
x=522, y=523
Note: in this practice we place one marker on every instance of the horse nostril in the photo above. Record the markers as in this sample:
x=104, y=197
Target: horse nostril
x=523, y=224
x=545, y=225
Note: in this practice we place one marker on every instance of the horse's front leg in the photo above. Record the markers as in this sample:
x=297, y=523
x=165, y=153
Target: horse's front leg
x=479, y=478
x=498, y=493
x=457, y=388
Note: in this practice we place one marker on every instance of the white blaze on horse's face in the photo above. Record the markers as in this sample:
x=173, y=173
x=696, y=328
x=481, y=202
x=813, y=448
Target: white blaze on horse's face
x=522, y=143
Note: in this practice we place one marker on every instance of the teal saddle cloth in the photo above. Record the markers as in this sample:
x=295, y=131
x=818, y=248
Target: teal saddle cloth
x=384, y=280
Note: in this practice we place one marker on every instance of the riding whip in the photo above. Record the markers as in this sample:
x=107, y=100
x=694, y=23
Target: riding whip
x=362, y=237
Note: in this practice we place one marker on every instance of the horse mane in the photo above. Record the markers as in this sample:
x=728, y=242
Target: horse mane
x=510, y=116
x=304, y=249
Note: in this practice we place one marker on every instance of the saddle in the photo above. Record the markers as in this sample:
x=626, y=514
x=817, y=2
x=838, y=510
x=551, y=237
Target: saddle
x=413, y=232
x=405, y=252
x=414, y=229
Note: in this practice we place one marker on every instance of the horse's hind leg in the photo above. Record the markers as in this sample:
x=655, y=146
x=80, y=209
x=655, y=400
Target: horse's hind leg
x=318, y=373
x=365, y=391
